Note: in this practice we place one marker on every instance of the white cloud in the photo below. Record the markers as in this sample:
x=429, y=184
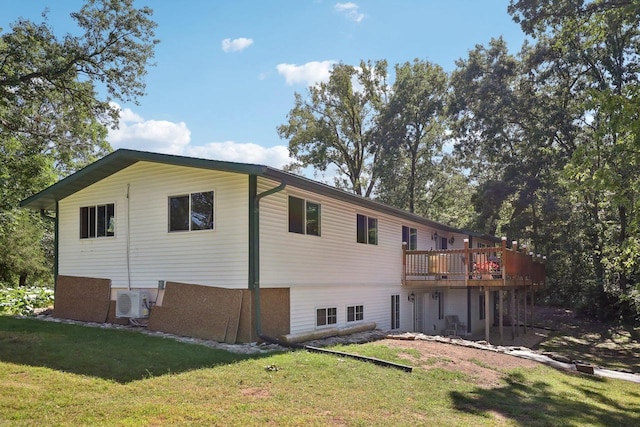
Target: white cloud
x=351, y=10
x=236, y=45
x=277, y=156
x=150, y=135
x=162, y=136
x=308, y=74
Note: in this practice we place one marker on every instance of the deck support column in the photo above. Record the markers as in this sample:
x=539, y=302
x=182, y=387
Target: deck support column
x=524, y=303
x=500, y=315
x=518, y=298
x=532, y=307
x=487, y=315
x=514, y=327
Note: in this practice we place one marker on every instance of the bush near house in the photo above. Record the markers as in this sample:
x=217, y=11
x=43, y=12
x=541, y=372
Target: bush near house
x=24, y=301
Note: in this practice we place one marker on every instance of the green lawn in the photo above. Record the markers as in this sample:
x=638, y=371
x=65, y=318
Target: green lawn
x=59, y=374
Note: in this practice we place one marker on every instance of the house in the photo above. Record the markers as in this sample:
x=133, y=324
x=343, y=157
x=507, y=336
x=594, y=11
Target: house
x=233, y=252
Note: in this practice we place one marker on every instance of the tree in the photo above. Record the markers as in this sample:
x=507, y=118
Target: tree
x=335, y=125
x=600, y=41
x=412, y=132
x=52, y=118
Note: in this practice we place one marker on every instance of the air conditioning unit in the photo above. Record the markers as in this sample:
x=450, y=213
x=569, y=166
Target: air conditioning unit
x=132, y=304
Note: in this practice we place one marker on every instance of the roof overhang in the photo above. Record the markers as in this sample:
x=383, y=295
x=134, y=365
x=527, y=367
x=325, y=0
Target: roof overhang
x=123, y=158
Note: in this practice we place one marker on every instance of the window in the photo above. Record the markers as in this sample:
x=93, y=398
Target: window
x=304, y=216
x=191, y=212
x=367, y=230
x=395, y=311
x=97, y=221
x=326, y=316
x=410, y=237
x=355, y=313
x=440, y=305
x=481, y=310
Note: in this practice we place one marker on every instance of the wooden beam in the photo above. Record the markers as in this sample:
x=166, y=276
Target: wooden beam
x=524, y=303
x=514, y=328
x=487, y=314
x=500, y=320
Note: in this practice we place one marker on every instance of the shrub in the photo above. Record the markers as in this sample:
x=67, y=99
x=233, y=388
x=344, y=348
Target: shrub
x=24, y=301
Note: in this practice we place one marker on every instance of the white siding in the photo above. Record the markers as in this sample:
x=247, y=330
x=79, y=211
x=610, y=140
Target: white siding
x=211, y=257
x=334, y=258
x=376, y=302
x=334, y=270
x=331, y=270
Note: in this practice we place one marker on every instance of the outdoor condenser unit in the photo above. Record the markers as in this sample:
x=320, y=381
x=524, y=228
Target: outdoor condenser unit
x=132, y=304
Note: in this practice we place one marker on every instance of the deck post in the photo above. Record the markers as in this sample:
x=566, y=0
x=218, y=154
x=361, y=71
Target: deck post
x=487, y=314
x=512, y=300
x=500, y=318
x=504, y=284
x=467, y=262
x=404, y=263
x=524, y=303
x=532, y=306
x=466, y=271
x=518, y=297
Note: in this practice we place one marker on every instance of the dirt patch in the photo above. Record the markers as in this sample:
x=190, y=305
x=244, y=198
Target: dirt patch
x=255, y=392
x=485, y=367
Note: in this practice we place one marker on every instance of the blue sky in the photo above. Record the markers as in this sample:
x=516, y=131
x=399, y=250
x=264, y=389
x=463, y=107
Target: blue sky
x=226, y=71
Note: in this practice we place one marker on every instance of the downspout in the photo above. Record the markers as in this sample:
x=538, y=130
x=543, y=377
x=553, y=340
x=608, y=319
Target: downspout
x=254, y=244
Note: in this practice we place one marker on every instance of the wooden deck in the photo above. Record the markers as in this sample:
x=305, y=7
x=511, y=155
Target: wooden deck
x=492, y=267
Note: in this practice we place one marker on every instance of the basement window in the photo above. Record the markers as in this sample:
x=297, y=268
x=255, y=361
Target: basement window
x=191, y=212
x=97, y=221
x=326, y=316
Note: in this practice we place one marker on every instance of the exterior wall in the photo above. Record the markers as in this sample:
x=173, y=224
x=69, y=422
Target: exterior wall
x=426, y=309
x=334, y=257
x=333, y=269
x=376, y=302
x=330, y=270
x=216, y=257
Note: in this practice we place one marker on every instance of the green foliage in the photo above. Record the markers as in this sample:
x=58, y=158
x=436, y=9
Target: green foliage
x=24, y=300
x=335, y=125
x=26, y=241
x=53, y=120
x=411, y=132
x=550, y=138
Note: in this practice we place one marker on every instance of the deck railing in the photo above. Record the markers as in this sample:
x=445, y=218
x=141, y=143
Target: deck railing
x=490, y=263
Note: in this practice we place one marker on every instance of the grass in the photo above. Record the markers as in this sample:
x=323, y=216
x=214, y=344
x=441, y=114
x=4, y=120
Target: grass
x=609, y=346
x=59, y=374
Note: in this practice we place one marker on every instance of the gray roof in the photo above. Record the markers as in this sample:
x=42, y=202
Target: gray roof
x=123, y=158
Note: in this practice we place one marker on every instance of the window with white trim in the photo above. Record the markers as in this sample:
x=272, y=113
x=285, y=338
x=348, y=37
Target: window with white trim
x=304, y=216
x=367, y=229
x=97, y=221
x=191, y=212
x=326, y=316
x=481, y=306
x=355, y=313
x=410, y=237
